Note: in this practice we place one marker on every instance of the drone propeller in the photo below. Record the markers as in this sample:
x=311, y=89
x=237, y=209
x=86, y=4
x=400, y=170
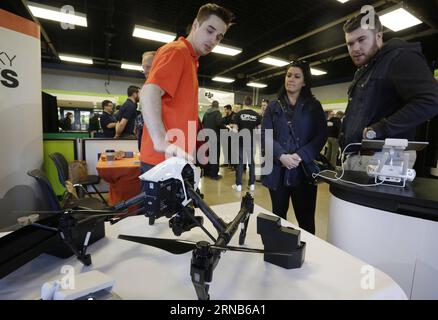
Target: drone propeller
x=170, y=245
x=183, y=246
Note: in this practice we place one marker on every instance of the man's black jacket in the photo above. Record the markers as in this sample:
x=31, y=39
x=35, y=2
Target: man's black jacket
x=393, y=94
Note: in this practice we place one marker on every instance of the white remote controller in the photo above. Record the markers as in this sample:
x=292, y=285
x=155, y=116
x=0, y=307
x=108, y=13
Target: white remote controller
x=83, y=284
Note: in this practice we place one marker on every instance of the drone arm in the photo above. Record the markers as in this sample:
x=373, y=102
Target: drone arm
x=226, y=236
x=122, y=216
x=204, y=261
x=246, y=209
x=41, y=226
x=217, y=222
x=248, y=203
x=198, y=280
x=131, y=202
x=69, y=242
x=242, y=234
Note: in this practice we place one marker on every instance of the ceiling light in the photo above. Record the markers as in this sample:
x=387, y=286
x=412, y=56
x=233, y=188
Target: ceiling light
x=343, y=1
x=131, y=66
x=398, y=18
x=227, y=50
x=317, y=72
x=256, y=85
x=153, y=34
x=76, y=59
x=57, y=14
x=222, y=79
x=274, y=61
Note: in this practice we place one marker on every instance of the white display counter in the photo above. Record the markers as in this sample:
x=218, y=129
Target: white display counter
x=394, y=229
x=144, y=272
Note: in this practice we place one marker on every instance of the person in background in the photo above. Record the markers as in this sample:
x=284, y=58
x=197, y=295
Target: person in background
x=93, y=126
x=299, y=133
x=146, y=64
x=246, y=119
x=107, y=120
x=329, y=114
x=237, y=107
x=169, y=98
x=128, y=113
x=393, y=90
x=67, y=123
x=117, y=112
x=247, y=102
x=212, y=119
x=263, y=106
x=226, y=121
x=333, y=129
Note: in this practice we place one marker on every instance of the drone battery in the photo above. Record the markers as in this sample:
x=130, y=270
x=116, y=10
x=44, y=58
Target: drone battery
x=294, y=261
x=95, y=226
x=281, y=239
x=26, y=243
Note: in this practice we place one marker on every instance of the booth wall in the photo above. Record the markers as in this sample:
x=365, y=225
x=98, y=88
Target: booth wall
x=20, y=115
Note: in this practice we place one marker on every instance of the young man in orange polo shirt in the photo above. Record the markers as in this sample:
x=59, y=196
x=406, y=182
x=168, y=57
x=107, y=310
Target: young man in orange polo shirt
x=169, y=98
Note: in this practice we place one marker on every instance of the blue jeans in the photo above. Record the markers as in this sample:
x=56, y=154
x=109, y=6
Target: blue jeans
x=144, y=168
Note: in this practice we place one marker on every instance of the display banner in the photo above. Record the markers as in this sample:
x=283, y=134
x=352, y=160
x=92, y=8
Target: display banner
x=206, y=97
x=21, y=140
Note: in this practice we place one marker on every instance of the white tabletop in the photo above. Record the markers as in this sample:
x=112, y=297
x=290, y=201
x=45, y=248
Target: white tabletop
x=144, y=272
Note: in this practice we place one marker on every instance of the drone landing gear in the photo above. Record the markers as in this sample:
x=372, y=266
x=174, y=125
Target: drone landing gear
x=204, y=260
x=66, y=225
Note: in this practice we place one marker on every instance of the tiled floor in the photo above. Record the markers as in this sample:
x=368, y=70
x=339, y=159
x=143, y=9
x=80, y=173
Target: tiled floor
x=220, y=191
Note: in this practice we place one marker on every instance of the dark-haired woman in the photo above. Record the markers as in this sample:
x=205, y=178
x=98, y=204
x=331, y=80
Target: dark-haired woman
x=299, y=132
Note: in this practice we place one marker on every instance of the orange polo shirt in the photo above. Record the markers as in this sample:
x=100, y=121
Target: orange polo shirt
x=174, y=70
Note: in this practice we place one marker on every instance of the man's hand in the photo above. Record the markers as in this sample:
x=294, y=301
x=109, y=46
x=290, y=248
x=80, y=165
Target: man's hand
x=172, y=150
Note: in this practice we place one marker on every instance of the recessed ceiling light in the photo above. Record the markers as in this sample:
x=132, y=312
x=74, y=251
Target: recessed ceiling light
x=56, y=14
x=317, y=72
x=153, y=34
x=256, y=85
x=70, y=58
x=226, y=50
x=131, y=66
x=343, y=1
x=274, y=61
x=223, y=79
x=398, y=18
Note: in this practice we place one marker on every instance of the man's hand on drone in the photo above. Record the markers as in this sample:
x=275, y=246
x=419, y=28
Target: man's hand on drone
x=172, y=150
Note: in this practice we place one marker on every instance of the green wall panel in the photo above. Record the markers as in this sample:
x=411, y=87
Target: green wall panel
x=63, y=135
